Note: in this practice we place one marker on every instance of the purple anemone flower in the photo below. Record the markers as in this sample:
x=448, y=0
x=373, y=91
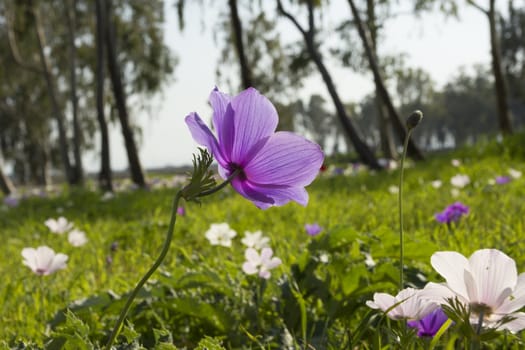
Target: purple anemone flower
x=313, y=229
x=501, y=180
x=181, y=211
x=429, y=325
x=452, y=213
x=275, y=166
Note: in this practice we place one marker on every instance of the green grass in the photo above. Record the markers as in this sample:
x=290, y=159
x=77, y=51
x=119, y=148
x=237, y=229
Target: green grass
x=201, y=290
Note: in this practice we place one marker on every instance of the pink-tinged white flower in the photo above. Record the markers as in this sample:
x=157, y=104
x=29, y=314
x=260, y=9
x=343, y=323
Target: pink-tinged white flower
x=260, y=264
x=77, y=238
x=43, y=260
x=460, y=180
x=455, y=162
x=255, y=240
x=515, y=174
x=220, y=234
x=407, y=304
x=59, y=226
x=487, y=282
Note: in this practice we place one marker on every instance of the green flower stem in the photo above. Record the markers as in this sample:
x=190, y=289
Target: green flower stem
x=222, y=185
x=162, y=255
x=150, y=272
x=400, y=205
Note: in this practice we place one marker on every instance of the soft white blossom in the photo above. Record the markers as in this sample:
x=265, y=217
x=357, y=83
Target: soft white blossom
x=436, y=183
x=220, y=234
x=260, y=264
x=60, y=225
x=77, y=238
x=487, y=282
x=515, y=174
x=407, y=304
x=255, y=240
x=43, y=260
x=460, y=180
x=455, y=162
x=393, y=189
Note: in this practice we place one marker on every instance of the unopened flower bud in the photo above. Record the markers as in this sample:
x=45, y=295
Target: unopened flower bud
x=414, y=119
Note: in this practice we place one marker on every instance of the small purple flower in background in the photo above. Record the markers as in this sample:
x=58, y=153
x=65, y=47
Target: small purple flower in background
x=77, y=238
x=429, y=325
x=59, y=226
x=114, y=246
x=220, y=234
x=313, y=229
x=275, y=166
x=181, y=211
x=260, y=263
x=501, y=180
x=43, y=260
x=452, y=213
x=12, y=201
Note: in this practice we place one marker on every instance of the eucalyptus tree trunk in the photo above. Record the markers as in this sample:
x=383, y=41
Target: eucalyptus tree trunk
x=413, y=150
x=69, y=10
x=386, y=139
x=135, y=168
x=105, y=182
x=504, y=119
x=237, y=33
x=6, y=185
x=57, y=112
x=365, y=153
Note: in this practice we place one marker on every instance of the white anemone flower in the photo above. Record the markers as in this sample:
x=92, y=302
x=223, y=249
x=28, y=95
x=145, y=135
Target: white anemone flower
x=460, y=180
x=59, y=226
x=43, y=260
x=220, y=234
x=455, y=162
x=260, y=263
x=515, y=174
x=487, y=282
x=77, y=238
x=255, y=240
x=436, y=183
x=407, y=304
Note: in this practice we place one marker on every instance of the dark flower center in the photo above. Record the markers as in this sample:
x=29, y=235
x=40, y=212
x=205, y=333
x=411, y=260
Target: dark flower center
x=232, y=167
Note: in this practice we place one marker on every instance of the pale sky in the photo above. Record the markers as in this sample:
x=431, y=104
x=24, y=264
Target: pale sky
x=434, y=43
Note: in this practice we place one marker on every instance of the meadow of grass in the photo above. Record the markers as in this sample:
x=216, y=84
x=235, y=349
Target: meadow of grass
x=200, y=293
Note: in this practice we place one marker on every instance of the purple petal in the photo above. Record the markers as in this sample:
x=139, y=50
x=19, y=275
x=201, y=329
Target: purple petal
x=219, y=101
x=285, y=159
x=255, y=118
x=203, y=136
x=265, y=196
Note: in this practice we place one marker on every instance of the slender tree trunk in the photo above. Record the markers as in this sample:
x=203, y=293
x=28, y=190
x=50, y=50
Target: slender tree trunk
x=362, y=149
x=137, y=175
x=72, y=53
x=504, y=119
x=105, y=182
x=6, y=185
x=237, y=32
x=413, y=150
x=386, y=138
x=46, y=69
